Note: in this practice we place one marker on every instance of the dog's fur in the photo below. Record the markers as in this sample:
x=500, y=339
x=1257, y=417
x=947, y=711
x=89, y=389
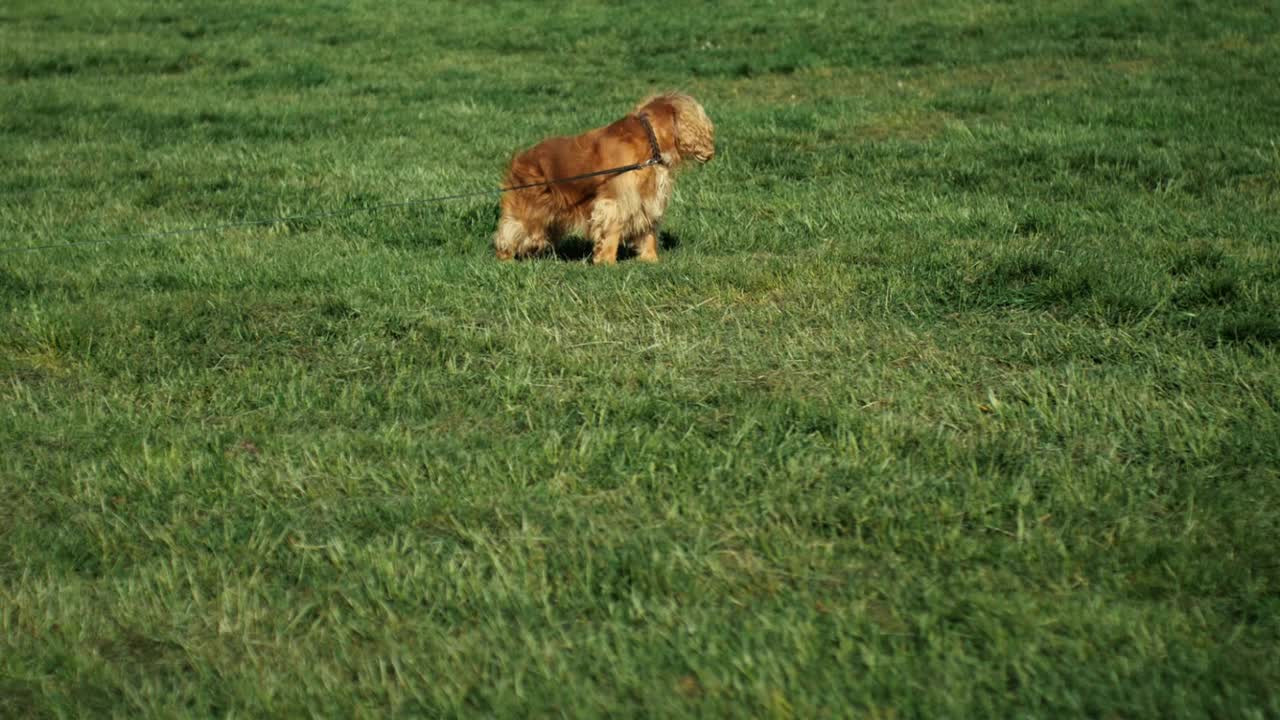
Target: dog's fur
x=607, y=209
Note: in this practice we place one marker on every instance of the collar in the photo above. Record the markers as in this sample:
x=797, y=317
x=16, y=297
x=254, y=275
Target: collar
x=656, y=157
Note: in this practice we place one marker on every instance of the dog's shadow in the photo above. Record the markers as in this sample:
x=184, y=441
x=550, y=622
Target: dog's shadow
x=578, y=249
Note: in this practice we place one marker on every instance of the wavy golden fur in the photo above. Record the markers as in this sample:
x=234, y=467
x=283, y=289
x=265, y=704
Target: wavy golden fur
x=608, y=209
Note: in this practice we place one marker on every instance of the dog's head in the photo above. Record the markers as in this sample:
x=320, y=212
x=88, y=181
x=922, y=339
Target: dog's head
x=694, y=135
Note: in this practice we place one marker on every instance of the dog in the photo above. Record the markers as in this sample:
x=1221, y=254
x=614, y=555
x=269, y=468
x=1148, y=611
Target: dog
x=669, y=129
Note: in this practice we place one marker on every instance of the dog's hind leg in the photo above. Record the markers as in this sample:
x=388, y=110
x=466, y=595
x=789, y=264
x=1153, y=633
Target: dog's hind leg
x=605, y=231
x=508, y=238
x=534, y=244
x=513, y=240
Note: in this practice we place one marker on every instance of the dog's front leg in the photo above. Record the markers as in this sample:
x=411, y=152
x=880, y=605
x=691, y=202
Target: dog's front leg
x=606, y=232
x=606, y=249
x=647, y=247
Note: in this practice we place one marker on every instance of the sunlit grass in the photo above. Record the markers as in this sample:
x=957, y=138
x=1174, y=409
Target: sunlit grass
x=954, y=395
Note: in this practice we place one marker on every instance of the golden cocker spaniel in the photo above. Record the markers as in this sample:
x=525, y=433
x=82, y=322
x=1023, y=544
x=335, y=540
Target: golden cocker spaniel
x=609, y=209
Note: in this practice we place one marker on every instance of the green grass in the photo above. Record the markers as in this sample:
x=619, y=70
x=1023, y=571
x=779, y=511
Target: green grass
x=956, y=393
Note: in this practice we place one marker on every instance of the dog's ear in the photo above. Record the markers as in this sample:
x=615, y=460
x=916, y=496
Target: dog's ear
x=685, y=124
x=695, y=134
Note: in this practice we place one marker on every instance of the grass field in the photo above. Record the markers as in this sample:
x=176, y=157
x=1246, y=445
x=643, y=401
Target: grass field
x=956, y=392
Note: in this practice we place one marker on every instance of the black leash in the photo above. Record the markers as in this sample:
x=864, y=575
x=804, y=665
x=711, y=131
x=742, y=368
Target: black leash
x=654, y=159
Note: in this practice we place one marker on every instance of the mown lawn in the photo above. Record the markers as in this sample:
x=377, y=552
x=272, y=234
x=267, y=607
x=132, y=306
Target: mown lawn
x=956, y=392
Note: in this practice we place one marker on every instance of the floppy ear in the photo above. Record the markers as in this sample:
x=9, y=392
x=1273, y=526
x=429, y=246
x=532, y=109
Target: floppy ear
x=695, y=135
x=681, y=124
